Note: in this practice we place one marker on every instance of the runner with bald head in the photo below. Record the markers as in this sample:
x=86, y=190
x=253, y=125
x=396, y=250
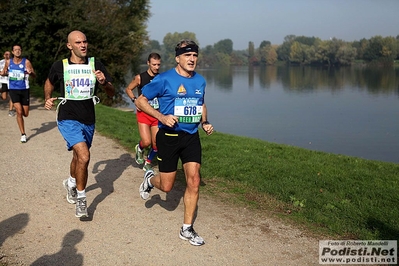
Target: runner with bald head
x=79, y=77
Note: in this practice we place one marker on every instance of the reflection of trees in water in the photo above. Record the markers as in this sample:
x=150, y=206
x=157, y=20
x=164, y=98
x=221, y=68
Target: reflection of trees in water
x=222, y=77
x=267, y=75
x=307, y=78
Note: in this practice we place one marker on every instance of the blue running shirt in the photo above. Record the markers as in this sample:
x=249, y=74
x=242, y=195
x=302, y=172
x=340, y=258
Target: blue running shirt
x=179, y=96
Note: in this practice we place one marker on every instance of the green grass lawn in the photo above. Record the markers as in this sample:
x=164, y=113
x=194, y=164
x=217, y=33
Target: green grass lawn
x=344, y=197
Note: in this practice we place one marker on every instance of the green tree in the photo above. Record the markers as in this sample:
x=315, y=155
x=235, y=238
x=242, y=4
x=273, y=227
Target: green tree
x=389, y=49
x=284, y=50
x=208, y=58
x=361, y=47
x=298, y=53
x=251, y=49
x=346, y=54
x=268, y=55
x=264, y=43
x=224, y=46
x=222, y=59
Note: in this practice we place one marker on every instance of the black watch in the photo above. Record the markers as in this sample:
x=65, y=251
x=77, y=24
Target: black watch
x=205, y=122
x=134, y=99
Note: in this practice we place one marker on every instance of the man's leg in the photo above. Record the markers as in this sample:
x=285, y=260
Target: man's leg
x=10, y=107
x=79, y=170
x=79, y=164
x=20, y=119
x=190, y=198
x=191, y=195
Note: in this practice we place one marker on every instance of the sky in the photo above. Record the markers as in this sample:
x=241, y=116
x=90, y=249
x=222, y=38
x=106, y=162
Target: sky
x=243, y=21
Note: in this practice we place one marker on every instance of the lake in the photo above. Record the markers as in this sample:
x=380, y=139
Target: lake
x=349, y=110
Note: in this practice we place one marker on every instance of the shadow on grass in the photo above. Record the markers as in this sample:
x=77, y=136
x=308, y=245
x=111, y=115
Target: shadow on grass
x=383, y=231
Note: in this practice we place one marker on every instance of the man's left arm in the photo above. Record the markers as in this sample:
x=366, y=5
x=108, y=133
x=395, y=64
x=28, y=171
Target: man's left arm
x=29, y=69
x=109, y=88
x=103, y=79
x=206, y=126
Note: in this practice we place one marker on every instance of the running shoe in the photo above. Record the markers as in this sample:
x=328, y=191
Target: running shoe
x=192, y=236
x=71, y=192
x=23, y=138
x=11, y=113
x=81, y=207
x=145, y=187
x=139, y=155
x=147, y=166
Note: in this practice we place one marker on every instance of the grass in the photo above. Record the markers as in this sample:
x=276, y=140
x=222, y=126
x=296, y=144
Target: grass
x=345, y=197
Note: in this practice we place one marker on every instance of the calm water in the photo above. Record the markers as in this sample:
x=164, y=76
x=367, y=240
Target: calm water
x=352, y=111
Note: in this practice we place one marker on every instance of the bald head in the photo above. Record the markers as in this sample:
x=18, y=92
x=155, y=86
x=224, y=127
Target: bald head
x=75, y=34
x=77, y=44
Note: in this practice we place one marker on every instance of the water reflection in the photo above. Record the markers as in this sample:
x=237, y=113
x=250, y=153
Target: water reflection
x=346, y=110
x=220, y=77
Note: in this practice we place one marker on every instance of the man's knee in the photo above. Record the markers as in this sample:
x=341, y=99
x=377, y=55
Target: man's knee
x=193, y=183
x=167, y=181
x=82, y=153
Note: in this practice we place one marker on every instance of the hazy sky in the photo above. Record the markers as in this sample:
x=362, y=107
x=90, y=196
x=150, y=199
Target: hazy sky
x=271, y=20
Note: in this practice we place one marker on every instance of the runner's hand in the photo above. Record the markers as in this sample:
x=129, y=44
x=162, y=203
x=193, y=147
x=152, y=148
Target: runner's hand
x=49, y=103
x=208, y=128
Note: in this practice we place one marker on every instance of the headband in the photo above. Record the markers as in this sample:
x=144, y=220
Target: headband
x=187, y=49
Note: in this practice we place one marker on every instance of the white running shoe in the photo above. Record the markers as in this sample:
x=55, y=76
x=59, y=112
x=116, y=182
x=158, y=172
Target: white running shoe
x=192, y=236
x=145, y=187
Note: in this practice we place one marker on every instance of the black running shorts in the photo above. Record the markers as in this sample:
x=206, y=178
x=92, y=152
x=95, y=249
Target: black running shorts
x=20, y=96
x=173, y=146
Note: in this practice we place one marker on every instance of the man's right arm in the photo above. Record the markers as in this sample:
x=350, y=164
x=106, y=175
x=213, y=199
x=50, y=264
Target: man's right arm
x=133, y=84
x=48, y=91
x=143, y=105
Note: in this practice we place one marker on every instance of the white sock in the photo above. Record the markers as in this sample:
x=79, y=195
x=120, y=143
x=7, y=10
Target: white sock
x=81, y=194
x=185, y=226
x=71, y=182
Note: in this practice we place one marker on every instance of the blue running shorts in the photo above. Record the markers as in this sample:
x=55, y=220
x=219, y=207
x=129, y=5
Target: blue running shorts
x=74, y=132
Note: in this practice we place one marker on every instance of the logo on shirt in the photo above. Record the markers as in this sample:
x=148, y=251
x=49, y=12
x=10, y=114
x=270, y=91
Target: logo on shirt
x=181, y=91
x=197, y=91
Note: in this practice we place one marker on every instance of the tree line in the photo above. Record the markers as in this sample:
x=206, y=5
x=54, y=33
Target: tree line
x=300, y=50
x=115, y=30
x=117, y=35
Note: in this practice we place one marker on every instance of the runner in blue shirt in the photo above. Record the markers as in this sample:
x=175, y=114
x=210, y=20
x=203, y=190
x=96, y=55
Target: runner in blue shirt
x=180, y=92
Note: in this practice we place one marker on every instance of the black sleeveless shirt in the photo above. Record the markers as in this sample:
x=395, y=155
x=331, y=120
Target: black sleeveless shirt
x=145, y=78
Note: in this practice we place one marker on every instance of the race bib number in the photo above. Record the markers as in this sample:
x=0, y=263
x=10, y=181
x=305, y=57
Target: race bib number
x=154, y=103
x=188, y=110
x=15, y=74
x=79, y=80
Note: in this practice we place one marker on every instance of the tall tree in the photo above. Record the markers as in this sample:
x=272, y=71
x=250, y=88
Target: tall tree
x=251, y=49
x=264, y=43
x=224, y=46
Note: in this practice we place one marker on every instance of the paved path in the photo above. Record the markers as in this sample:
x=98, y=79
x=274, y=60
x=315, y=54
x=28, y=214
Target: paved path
x=38, y=226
